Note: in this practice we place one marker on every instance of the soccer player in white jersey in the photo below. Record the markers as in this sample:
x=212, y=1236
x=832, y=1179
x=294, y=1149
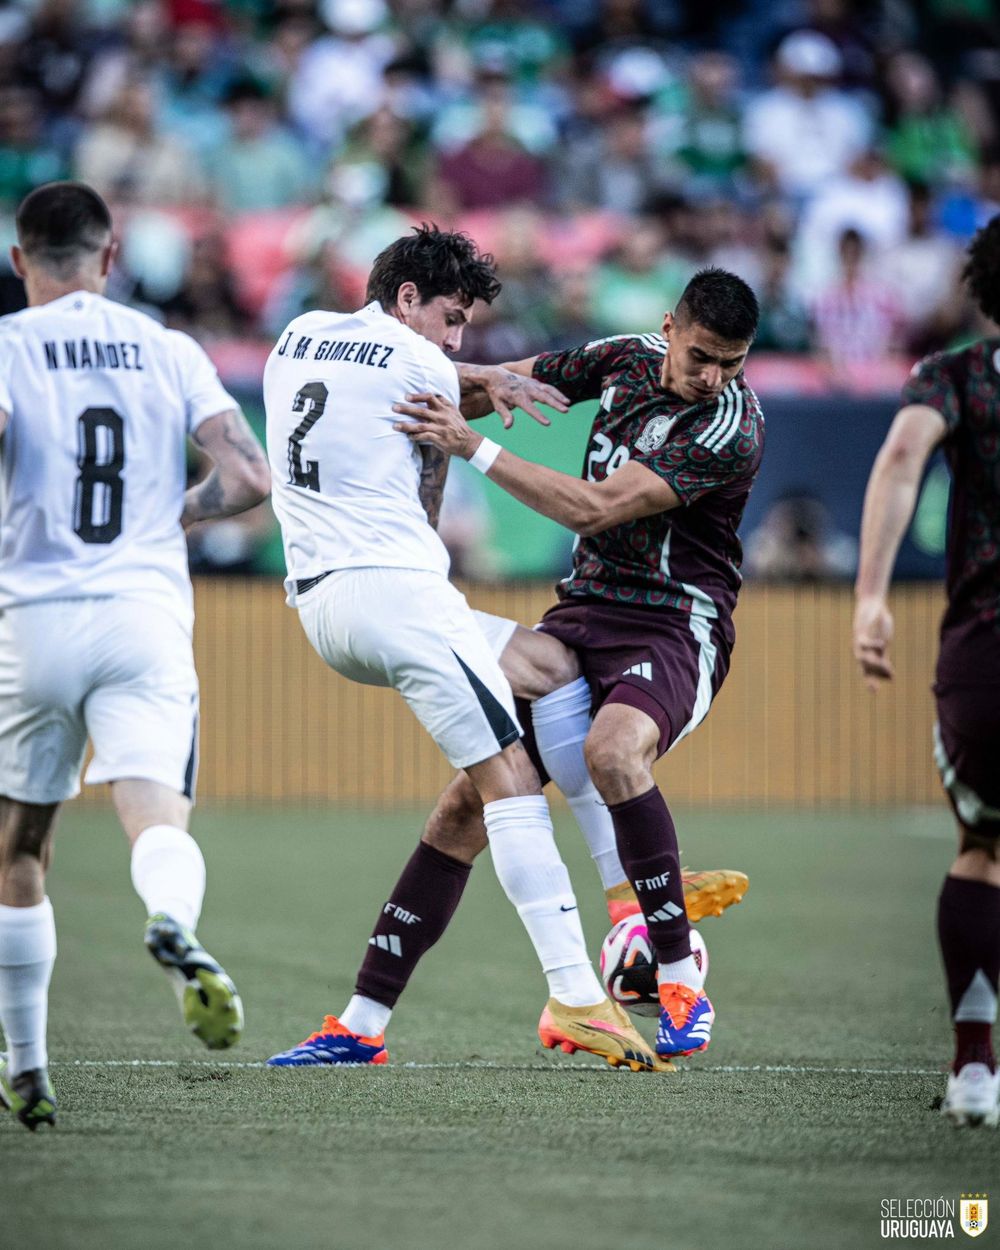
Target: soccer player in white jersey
x=96, y=405
x=358, y=506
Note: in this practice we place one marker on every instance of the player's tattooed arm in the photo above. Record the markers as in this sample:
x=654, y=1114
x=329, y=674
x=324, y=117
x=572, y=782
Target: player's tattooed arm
x=239, y=478
x=432, y=480
x=502, y=388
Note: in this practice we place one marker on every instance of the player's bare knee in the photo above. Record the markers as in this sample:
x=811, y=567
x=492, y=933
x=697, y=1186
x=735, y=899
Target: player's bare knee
x=26, y=833
x=140, y=804
x=508, y=775
x=535, y=664
x=455, y=826
x=619, y=772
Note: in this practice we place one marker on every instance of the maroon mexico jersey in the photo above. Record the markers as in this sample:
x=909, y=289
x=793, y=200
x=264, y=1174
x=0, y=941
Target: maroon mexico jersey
x=689, y=557
x=964, y=387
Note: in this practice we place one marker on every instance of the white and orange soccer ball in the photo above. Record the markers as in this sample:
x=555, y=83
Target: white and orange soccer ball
x=628, y=965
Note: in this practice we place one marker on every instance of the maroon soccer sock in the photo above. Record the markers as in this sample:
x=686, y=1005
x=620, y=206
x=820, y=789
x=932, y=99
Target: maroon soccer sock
x=417, y=913
x=647, y=847
x=969, y=936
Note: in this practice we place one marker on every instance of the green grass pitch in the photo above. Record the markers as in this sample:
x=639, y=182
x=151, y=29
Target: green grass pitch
x=828, y=969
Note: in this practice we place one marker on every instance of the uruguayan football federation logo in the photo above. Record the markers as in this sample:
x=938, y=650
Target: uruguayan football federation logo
x=654, y=435
x=974, y=1214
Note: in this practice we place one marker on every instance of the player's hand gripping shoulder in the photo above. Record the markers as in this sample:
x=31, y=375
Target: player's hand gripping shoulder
x=240, y=477
x=502, y=388
x=437, y=422
x=873, y=626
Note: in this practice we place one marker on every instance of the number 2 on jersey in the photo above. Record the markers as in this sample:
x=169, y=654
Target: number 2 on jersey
x=311, y=400
x=101, y=459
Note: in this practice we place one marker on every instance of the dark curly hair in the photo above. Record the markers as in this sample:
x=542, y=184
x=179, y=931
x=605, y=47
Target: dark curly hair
x=982, y=269
x=59, y=223
x=437, y=262
x=722, y=303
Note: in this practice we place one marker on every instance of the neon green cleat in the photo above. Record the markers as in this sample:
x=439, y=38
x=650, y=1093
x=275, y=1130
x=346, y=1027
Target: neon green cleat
x=29, y=1095
x=209, y=1000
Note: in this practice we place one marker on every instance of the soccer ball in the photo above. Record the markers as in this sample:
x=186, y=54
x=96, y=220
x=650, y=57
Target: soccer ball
x=628, y=965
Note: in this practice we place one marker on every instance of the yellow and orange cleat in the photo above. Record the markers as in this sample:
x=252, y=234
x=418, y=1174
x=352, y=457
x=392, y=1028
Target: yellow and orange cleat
x=706, y=893
x=603, y=1030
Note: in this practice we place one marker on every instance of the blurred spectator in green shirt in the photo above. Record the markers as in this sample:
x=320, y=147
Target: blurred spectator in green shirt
x=26, y=160
x=927, y=140
x=635, y=287
x=259, y=166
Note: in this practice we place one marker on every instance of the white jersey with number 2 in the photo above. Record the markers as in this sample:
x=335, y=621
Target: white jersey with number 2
x=345, y=483
x=100, y=399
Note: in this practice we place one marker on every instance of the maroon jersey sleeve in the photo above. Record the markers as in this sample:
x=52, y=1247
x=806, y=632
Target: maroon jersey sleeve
x=712, y=451
x=932, y=382
x=579, y=373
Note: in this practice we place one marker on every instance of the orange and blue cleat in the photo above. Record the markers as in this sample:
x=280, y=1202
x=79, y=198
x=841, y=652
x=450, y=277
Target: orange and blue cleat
x=686, y=1018
x=333, y=1044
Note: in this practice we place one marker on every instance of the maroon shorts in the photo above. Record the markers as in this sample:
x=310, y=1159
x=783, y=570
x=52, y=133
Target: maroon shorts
x=967, y=752
x=667, y=664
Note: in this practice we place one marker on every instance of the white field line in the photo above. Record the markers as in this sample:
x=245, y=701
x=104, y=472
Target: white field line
x=489, y=1066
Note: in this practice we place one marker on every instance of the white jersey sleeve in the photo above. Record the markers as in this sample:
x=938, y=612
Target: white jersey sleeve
x=441, y=374
x=345, y=484
x=94, y=458
x=199, y=383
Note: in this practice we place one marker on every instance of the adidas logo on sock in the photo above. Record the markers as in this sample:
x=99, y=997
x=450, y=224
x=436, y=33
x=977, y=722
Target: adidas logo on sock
x=669, y=911
x=387, y=942
x=644, y=670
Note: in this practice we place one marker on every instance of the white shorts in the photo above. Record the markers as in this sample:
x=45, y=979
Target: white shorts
x=117, y=670
x=414, y=631
x=497, y=630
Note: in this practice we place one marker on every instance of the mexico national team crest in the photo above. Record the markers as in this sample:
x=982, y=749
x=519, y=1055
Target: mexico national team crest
x=974, y=1214
x=654, y=435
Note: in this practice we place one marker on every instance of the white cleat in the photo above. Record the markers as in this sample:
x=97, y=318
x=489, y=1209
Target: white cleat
x=972, y=1097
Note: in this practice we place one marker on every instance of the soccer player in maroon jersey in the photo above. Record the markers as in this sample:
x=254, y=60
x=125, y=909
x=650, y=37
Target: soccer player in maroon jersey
x=952, y=400
x=643, y=631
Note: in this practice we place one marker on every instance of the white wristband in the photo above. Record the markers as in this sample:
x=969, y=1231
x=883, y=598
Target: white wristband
x=485, y=455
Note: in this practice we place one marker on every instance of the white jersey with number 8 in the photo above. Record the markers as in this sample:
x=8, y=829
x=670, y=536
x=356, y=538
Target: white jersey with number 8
x=100, y=399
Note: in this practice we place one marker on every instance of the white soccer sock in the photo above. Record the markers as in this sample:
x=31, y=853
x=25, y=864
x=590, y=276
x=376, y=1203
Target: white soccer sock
x=365, y=1016
x=562, y=722
x=27, y=953
x=535, y=880
x=685, y=970
x=168, y=872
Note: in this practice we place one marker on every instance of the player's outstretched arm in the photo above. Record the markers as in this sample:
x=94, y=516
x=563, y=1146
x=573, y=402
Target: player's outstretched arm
x=583, y=507
x=240, y=477
x=890, y=499
x=502, y=388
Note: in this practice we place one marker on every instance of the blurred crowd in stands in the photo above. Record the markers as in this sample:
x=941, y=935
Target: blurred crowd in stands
x=258, y=153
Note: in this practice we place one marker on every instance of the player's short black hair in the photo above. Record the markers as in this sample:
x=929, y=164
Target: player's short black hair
x=59, y=223
x=721, y=302
x=437, y=262
x=982, y=269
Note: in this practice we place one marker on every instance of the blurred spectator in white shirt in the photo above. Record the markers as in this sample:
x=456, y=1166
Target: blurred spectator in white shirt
x=338, y=80
x=922, y=272
x=805, y=130
x=127, y=158
x=869, y=198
